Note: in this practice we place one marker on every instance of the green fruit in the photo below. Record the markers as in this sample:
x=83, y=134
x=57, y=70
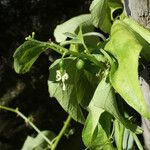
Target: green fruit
x=61, y=63
x=80, y=64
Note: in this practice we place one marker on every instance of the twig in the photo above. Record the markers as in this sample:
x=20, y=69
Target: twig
x=61, y=133
x=27, y=121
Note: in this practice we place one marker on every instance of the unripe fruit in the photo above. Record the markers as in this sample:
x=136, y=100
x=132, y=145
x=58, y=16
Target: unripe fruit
x=61, y=63
x=80, y=64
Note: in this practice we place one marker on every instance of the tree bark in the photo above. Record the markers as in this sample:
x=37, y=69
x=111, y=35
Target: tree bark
x=139, y=10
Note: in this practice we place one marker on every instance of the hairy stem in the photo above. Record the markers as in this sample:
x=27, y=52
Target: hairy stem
x=61, y=133
x=61, y=50
x=27, y=121
x=138, y=143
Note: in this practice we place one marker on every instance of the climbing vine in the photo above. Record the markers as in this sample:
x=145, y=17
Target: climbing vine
x=100, y=58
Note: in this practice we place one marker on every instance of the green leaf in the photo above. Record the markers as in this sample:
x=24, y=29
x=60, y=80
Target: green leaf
x=71, y=26
x=104, y=98
x=38, y=143
x=124, y=46
x=95, y=132
x=78, y=39
x=26, y=54
x=93, y=135
x=101, y=12
x=84, y=93
x=87, y=41
x=70, y=98
x=142, y=34
x=115, y=5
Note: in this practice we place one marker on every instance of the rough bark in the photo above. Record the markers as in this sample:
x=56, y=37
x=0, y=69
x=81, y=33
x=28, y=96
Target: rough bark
x=139, y=10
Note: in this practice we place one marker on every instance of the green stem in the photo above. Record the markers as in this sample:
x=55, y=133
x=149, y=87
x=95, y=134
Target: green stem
x=89, y=57
x=138, y=143
x=121, y=137
x=86, y=49
x=61, y=133
x=27, y=121
x=61, y=50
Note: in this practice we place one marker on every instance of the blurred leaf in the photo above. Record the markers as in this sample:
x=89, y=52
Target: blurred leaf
x=101, y=12
x=26, y=54
x=71, y=26
x=81, y=41
x=128, y=140
x=38, y=143
x=115, y=5
x=124, y=73
x=70, y=35
x=127, y=136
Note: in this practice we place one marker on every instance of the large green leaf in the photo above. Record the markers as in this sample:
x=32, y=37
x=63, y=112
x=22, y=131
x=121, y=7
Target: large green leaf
x=94, y=136
x=26, y=54
x=101, y=12
x=71, y=25
x=104, y=98
x=71, y=97
x=95, y=128
x=124, y=46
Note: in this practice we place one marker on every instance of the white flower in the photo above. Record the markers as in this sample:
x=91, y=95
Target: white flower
x=58, y=75
x=62, y=77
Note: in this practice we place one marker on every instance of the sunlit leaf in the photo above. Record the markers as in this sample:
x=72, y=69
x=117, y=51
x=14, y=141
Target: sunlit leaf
x=124, y=46
x=142, y=34
x=71, y=25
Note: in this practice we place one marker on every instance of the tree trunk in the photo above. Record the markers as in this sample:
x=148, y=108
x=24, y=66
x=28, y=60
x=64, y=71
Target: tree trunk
x=139, y=10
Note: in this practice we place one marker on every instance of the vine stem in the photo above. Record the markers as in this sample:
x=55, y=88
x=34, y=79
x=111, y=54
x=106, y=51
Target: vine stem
x=138, y=143
x=27, y=121
x=62, y=50
x=61, y=133
x=121, y=138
